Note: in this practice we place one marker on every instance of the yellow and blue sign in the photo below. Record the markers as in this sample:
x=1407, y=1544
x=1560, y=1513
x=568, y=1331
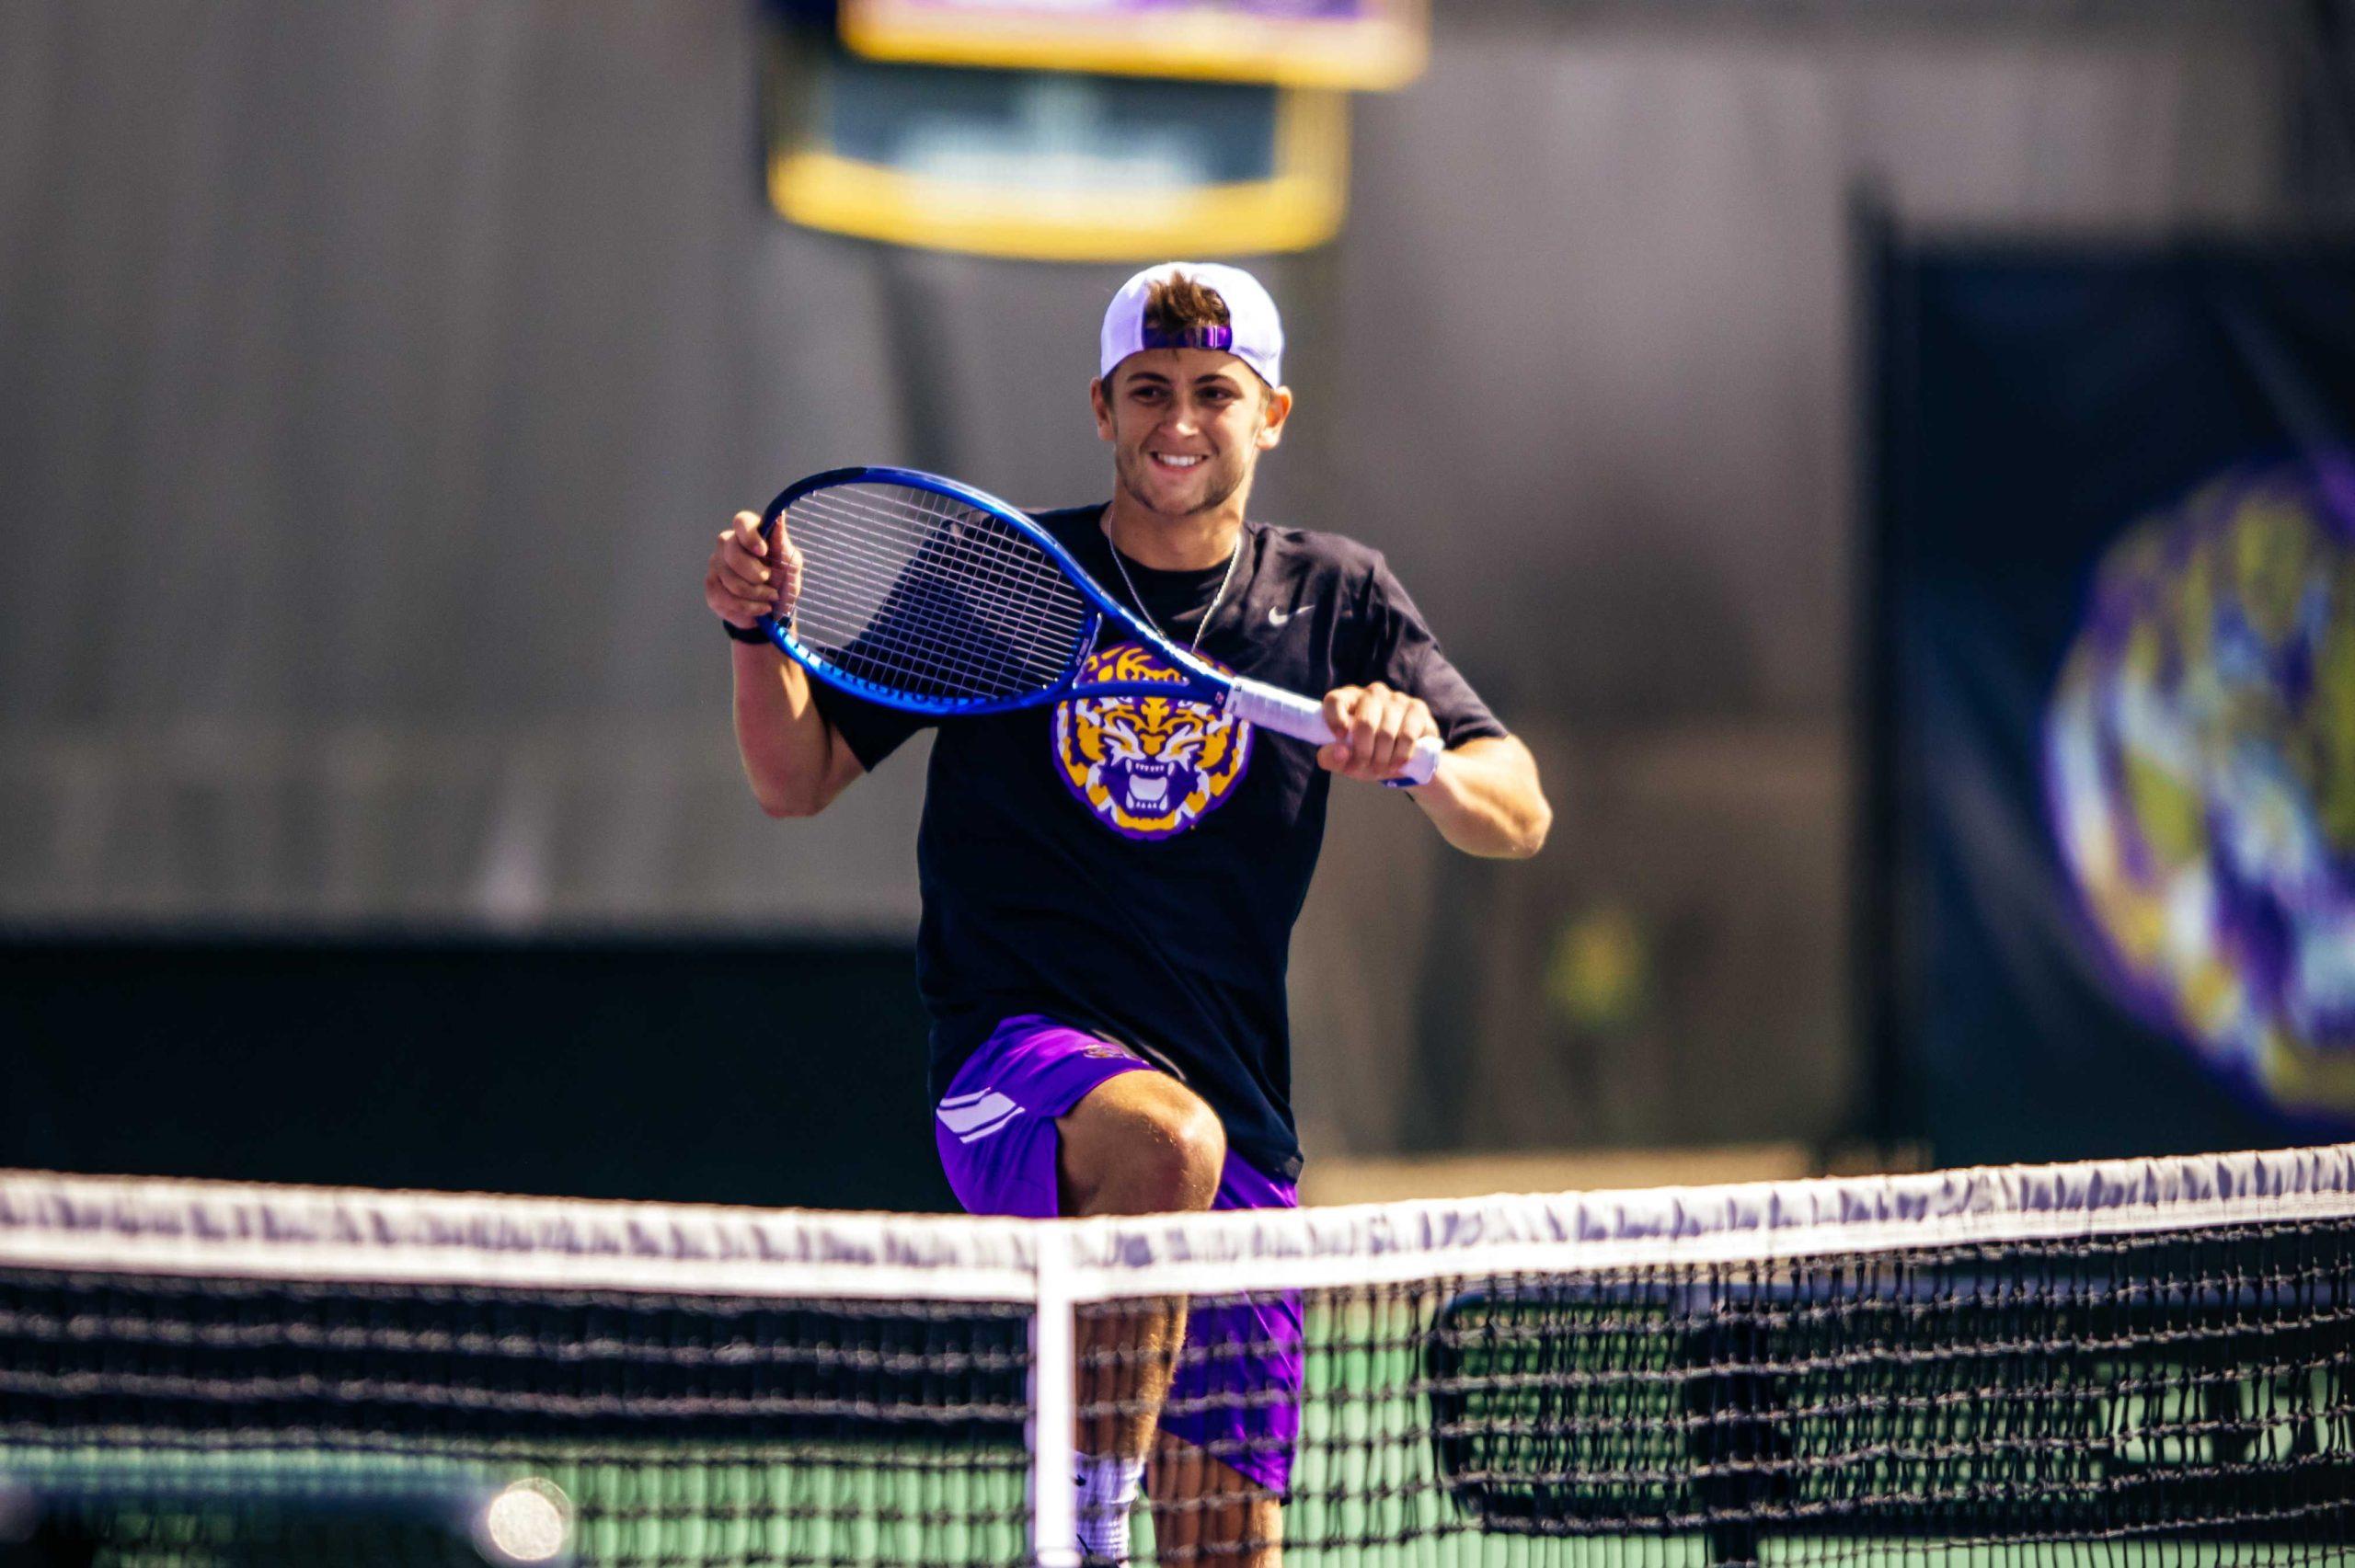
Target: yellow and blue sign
x=1358, y=44
x=1051, y=166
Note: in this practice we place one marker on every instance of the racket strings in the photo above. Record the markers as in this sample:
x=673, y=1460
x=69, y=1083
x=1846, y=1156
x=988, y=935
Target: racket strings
x=914, y=591
x=946, y=648
x=920, y=640
x=983, y=540
x=999, y=546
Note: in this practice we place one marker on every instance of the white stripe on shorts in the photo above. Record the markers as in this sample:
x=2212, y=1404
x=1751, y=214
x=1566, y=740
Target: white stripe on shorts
x=977, y=1115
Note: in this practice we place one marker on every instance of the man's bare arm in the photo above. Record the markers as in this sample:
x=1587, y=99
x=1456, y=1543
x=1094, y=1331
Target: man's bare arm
x=1485, y=799
x=794, y=759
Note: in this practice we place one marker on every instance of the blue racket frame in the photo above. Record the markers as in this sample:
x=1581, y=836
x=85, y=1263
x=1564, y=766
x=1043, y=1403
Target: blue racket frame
x=1202, y=682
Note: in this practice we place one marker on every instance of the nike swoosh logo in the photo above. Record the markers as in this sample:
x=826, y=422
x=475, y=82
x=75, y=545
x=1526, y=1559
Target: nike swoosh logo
x=1278, y=617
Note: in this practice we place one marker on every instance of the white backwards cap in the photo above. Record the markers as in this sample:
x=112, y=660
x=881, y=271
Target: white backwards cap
x=1254, y=333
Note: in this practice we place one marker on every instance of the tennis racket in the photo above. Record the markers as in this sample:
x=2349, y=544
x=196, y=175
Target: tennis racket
x=928, y=595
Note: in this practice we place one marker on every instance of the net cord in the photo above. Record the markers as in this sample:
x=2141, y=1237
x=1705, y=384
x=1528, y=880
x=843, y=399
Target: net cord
x=239, y=1231
x=236, y=1231
x=1391, y=1244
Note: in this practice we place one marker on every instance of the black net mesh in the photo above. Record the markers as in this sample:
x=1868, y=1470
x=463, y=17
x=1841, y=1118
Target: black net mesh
x=682, y=1430
x=2183, y=1397
x=2147, y=1399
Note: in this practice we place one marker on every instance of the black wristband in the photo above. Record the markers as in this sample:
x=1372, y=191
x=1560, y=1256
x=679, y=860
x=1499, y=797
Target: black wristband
x=746, y=634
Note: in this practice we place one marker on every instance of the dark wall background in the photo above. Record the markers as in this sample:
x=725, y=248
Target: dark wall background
x=376, y=375
x=724, y=1069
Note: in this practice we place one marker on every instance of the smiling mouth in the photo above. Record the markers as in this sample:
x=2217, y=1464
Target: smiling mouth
x=1176, y=462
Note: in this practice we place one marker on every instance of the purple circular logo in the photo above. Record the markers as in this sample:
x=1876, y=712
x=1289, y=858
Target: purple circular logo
x=2200, y=766
x=1147, y=767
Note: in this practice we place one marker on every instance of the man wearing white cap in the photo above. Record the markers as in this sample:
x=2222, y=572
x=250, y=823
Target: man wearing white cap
x=1109, y=885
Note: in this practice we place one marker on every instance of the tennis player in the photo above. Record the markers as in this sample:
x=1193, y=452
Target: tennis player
x=1109, y=886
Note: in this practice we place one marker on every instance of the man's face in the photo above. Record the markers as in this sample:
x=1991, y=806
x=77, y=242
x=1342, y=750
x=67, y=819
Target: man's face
x=1187, y=426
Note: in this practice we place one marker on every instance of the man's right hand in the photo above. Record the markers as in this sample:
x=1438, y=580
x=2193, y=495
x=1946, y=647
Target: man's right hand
x=745, y=579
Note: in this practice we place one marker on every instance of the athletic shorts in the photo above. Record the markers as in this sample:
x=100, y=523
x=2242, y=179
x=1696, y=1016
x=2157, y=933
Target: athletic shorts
x=1236, y=1391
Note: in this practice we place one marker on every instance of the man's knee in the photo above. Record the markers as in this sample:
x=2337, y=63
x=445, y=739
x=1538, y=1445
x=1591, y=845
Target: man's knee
x=1141, y=1143
x=1188, y=1152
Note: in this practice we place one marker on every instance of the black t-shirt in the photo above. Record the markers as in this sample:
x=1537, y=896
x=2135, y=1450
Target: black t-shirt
x=1135, y=866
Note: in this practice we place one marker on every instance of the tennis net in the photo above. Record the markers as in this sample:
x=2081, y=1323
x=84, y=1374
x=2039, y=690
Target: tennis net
x=2146, y=1361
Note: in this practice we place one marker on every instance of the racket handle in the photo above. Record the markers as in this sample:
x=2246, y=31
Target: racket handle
x=1303, y=718
x=1422, y=764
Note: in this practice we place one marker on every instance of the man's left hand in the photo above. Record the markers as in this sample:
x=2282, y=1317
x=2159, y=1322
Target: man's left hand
x=1377, y=729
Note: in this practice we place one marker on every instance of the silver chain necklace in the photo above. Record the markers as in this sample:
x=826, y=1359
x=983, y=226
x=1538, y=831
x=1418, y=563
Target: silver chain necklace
x=1197, y=641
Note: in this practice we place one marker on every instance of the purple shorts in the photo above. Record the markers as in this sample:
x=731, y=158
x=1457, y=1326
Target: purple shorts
x=1236, y=1392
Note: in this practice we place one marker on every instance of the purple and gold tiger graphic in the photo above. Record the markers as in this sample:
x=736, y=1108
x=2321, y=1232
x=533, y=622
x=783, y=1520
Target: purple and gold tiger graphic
x=1147, y=767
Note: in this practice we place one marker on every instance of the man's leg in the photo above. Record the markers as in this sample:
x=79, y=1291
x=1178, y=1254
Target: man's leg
x=1046, y=1119
x=1231, y=1424
x=1207, y=1515
x=1141, y=1143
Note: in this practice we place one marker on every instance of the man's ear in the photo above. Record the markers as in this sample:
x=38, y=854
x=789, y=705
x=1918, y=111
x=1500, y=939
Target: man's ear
x=1099, y=398
x=1273, y=411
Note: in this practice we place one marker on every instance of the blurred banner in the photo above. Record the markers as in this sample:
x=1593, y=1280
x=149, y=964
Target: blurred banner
x=1049, y=165
x=2118, y=611
x=1322, y=43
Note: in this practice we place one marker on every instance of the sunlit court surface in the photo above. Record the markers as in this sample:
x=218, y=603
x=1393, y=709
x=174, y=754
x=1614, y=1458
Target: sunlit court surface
x=1213, y=783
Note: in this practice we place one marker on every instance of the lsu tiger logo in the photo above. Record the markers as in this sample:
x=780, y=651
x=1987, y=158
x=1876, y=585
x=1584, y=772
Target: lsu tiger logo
x=1148, y=767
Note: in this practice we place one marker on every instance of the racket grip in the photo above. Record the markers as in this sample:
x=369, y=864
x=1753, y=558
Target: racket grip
x=1303, y=718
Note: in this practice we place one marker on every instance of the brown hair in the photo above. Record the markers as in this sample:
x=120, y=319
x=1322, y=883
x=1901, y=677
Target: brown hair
x=1176, y=302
